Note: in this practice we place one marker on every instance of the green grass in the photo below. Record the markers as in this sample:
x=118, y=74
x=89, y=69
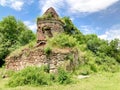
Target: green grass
x=18, y=51
x=99, y=81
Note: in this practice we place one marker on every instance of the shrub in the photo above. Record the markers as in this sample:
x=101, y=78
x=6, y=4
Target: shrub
x=47, y=50
x=85, y=70
x=46, y=68
x=6, y=73
x=70, y=57
x=62, y=40
x=52, y=77
x=30, y=76
x=63, y=76
x=100, y=63
x=37, y=76
x=108, y=64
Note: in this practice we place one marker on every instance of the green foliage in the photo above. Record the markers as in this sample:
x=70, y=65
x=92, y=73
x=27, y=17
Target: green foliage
x=47, y=50
x=6, y=73
x=30, y=76
x=62, y=40
x=85, y=70
x=79, y=37
x=96, y=55
x=98, y=81
x=37, y=76
x=70, y=57
x=53, y=77
x=13, y=34
x=99, y=55
x=114, y=49
x=46, y=16
x=107, y=64
x=46, y=68
x=91, y=62
x=31, y=44
x=63, y=76
x=18, y=51
x=102, y=47
x=69, y=26
x=26, y=37
x=93, y=42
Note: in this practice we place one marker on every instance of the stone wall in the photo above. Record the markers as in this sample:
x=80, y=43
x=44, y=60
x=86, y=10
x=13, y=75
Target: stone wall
x=55, y=26
x=37, y=57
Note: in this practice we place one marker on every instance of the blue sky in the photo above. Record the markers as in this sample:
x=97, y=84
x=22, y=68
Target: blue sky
x=101, y=17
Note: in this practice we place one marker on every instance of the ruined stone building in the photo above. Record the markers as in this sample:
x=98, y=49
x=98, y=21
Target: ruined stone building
x=48, y=25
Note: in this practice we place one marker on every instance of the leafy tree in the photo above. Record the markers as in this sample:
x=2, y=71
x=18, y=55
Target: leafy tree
x=13, y=34
x=69, y=26
x=26, y=37
x=114, y=49
x=93, y=42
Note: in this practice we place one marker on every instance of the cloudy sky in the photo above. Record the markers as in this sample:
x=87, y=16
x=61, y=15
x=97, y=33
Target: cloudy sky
x=101, y=17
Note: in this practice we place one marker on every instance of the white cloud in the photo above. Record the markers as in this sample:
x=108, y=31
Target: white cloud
x=89, y=5
x=88, y=29
x=45, y=4
x=15, y=4
x=73, y=6
x=31, y=25
x=112, y=33
x=3, y=2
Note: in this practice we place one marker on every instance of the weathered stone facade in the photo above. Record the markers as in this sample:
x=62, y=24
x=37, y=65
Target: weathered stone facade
x=48, y=25
x=37, y=57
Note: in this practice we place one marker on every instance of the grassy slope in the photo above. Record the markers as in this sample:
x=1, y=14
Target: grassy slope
x=104, y=81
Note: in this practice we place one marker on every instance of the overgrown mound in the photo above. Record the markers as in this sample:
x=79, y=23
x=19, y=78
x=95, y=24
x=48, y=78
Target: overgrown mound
x=95, y=55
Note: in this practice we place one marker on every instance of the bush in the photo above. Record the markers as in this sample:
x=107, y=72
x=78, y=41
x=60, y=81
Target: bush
x=47, y=50
x=92, y=64
x=4, y=73
x=52, y=77
x=30, y=76
x=108, y=64
x=46, y=68
x=62, y=40
x=63, y=76
x=37, y=76
x=85, y=70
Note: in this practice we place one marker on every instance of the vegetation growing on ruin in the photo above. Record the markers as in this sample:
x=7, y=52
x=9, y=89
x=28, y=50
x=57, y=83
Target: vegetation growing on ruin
x=98, y=54
x=95, y=55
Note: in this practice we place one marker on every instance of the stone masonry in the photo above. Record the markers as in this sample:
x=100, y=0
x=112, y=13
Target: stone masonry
x=48, y=25
x=37, y=57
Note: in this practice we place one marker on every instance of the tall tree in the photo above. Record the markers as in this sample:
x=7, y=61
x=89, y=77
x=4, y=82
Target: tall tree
x=13, y=33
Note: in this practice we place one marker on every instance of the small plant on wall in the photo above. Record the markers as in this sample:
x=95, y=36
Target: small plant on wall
x=47, y=50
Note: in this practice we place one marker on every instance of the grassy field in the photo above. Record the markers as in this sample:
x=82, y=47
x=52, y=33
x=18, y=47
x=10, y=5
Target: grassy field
x=99, y=81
